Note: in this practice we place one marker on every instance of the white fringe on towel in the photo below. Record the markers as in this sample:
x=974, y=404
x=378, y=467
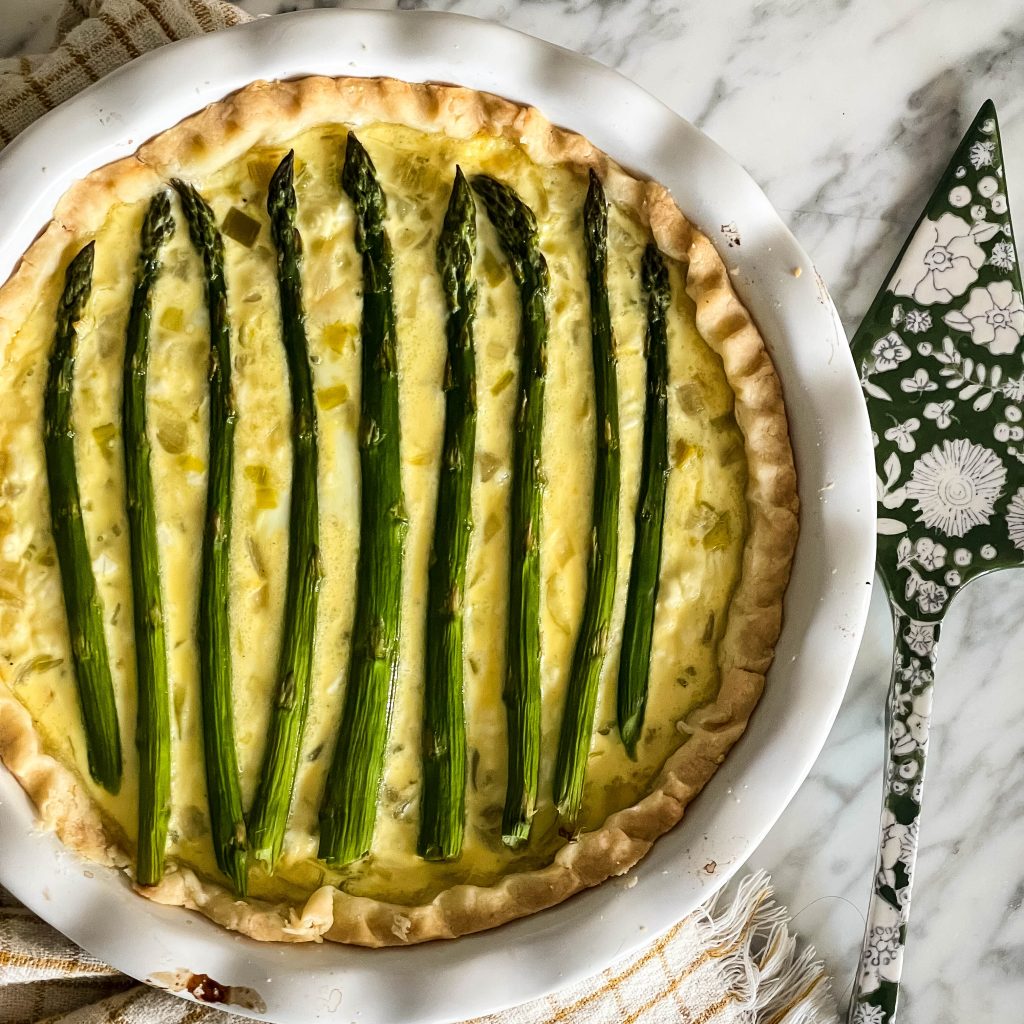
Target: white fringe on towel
x=774, y=984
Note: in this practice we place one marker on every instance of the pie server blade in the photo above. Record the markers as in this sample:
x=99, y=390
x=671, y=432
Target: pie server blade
x=940, y=361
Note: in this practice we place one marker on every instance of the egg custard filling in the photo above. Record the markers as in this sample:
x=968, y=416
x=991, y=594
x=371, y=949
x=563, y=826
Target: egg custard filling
x=390, y=642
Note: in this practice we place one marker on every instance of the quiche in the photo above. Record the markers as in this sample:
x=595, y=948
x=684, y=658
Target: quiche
x=396, y=507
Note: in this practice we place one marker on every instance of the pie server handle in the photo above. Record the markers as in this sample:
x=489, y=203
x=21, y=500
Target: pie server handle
x=907, y=718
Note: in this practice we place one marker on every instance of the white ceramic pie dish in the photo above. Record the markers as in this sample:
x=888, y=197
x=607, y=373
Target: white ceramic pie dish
x=825, y=607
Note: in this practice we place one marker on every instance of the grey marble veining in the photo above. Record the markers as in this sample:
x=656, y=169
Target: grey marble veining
x=846, y=112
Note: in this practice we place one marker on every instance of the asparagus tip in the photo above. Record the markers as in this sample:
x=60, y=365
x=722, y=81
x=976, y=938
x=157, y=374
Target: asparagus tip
x=282, y=176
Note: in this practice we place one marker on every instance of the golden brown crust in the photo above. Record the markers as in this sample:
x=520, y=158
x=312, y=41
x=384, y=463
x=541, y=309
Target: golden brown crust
x=270, y=112
x=59, y=799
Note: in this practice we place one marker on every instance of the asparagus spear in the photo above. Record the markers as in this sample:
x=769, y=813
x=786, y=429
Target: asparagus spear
x=350, y=798
x=82, y=603
x=443, y=805
x=638, y=629
x=269, y=813
x=223, y=792
x=153, y=729
x=592, y=641
x=517, y=232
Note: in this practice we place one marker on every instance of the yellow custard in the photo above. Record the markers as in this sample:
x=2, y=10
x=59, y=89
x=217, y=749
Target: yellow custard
x=704, y=526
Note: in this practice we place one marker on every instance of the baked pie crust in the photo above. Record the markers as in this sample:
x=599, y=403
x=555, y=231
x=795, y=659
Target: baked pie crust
x=271, y=113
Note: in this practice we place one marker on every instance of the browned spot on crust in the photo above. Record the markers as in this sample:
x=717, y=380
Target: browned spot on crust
x=205, y=989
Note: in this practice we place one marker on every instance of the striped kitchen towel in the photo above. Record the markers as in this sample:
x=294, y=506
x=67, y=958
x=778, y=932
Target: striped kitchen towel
x=732, y=962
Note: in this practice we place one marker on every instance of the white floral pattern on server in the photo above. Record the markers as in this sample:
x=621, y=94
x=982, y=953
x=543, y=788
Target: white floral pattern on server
x=903, y=434
x=929, y=555
x=889, y=352
x=917, y=321
x=941, y=262
x=910, y=736
x=868, y=1014
x=883, y=954
x=920, y=637
x=993, y=316
x=896, y=846
x=885, y=943
x=940, y=412
x=955, y=487
x=915, y=675
x=1015, y=519
x=982, y=154
x=919, y=383
x=1013, y=389
x=1003, y=256
x=931, y=597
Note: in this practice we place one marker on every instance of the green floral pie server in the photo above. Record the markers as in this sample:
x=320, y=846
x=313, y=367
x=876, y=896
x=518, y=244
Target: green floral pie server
x=942, y=367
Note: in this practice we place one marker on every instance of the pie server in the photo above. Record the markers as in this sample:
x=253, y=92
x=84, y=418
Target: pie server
x=940, y=361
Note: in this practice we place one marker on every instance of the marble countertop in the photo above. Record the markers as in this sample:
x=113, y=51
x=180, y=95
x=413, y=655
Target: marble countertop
x=845, y=113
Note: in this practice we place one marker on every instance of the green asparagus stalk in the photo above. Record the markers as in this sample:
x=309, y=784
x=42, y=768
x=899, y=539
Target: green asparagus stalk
x=517, y=232
x=153, y=729
x=269, y=813
x=81, y=601
x=443, y=805
x=592, y=641
x=350, y=798
x=638, y=629
x=224, y=795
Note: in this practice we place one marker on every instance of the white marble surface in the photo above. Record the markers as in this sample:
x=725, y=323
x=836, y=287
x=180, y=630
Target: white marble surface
x=845, y=111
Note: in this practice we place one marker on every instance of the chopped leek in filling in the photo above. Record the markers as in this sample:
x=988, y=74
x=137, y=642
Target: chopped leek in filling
x=704, y=519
